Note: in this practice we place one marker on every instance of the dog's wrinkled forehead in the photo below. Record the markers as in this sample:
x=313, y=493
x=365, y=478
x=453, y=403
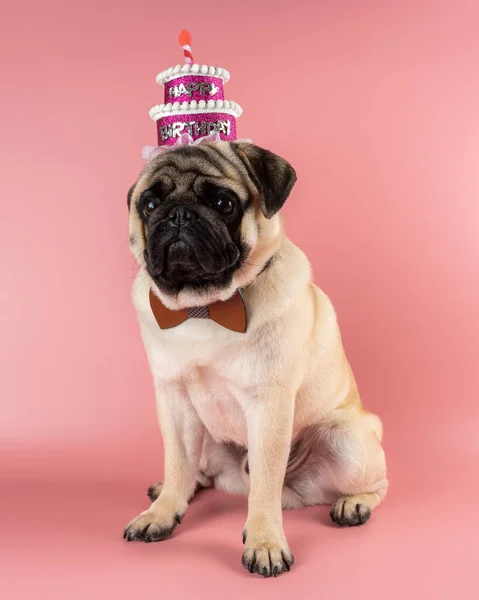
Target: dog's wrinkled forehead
x=243, y=167
x=188, y=167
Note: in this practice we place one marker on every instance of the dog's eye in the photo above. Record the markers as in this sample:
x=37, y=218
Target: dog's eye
x=223, y=204
x=149, y=206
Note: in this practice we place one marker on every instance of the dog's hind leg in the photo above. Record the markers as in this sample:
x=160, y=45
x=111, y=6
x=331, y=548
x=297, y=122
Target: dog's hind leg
x=202, y=482
x=341, y=462
x=226, y=465
x=357, y=467
x=222, y=464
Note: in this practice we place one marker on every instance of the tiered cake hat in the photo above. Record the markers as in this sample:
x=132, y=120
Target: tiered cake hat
x=195, y=106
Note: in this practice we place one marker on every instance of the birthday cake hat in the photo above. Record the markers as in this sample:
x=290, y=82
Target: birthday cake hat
x=195, y=108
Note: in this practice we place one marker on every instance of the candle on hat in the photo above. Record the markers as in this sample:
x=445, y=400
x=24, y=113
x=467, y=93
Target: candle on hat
x=185, y=43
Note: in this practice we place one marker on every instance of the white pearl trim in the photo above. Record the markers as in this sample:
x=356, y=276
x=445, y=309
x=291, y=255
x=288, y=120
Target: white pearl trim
x=165, y=110
x=187, y=69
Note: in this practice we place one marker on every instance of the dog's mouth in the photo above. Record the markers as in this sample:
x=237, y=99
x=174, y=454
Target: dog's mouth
x=183, y=262
x=181, y=265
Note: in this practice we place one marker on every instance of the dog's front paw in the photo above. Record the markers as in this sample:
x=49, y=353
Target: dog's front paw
x=151, y=526
x=267, y=552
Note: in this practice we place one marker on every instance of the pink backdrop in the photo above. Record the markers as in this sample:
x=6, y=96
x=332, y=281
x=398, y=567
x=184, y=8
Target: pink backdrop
x=386, y=144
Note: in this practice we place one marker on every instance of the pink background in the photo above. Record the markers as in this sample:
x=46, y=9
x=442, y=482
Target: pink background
x=386, y=144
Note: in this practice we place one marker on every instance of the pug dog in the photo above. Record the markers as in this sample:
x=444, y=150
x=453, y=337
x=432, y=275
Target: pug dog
x=254, y=393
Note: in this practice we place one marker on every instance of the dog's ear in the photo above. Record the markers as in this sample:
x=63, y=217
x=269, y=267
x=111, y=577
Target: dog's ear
x=273, y=176
x=130, y=194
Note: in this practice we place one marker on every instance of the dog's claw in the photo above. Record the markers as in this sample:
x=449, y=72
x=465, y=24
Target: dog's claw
x=267, y=561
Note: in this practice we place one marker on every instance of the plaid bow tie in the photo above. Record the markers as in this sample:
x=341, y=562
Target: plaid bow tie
x=230, y=314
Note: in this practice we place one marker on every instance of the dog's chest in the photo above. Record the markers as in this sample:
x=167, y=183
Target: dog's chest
x=214, y=375
x=219, y=403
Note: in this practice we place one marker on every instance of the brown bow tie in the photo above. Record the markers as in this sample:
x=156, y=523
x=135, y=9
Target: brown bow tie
x=230, y=314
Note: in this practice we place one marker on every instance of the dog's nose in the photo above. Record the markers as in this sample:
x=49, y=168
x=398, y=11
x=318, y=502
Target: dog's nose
x=180, y=216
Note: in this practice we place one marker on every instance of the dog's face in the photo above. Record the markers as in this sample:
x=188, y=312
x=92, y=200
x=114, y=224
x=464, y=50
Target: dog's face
x=202, y=219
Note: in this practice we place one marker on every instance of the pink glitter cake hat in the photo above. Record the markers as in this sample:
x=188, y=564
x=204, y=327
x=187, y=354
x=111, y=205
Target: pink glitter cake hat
x=195, y=108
